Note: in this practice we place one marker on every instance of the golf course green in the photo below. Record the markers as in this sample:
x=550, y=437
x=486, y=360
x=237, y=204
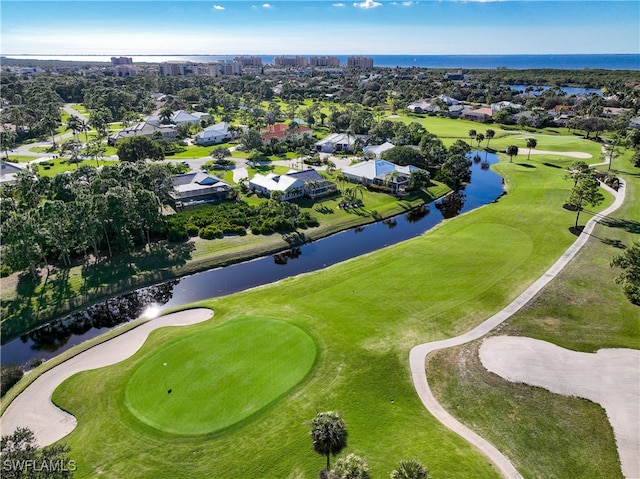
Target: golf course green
x=209, y=381
x=365, y=314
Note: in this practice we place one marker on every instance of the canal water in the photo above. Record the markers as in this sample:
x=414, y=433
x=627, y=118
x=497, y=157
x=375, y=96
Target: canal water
x=59, y=335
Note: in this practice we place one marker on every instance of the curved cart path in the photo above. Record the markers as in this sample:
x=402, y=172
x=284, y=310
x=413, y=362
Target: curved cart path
x=418, y=354
x=33, y=407
x=609, y=377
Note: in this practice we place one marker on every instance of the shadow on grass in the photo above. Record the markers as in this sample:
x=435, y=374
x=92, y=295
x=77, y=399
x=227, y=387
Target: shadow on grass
x=526, y=165
x=551, y=165
x=630, y=226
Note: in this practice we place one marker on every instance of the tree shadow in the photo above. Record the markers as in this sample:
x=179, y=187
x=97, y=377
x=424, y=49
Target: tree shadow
x=551, y=165
x=526, y=165
x=630, y=226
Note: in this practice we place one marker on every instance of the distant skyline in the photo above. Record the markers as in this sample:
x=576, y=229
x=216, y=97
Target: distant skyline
x=436, y=27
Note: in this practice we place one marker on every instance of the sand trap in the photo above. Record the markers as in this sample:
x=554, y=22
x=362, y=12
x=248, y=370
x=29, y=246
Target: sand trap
x=33, y=407
x=610, y=377
x=572, y=154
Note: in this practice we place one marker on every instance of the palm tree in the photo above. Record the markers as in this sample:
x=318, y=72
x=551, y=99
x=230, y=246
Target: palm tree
x=50, y=124
x=165, y=115
x=479, y=138
x=512, y=150
x=472, y=134
x=410, y=470
x=74, y=125
x=531, y=143
x=328, y=434
x=489, y=134
x=83, y=126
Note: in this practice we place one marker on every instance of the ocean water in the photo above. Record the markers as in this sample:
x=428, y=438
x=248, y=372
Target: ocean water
x=516, y=62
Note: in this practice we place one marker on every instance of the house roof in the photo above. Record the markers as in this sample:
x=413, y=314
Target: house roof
x=279, y=130
x=482, y=111
x=8, y=171
x=338, y=139
x=182, y=116
x=307, y=175
x=379, y=149
x=219, y=129
x=196, y=184
x=379, y=169
x=274, y=182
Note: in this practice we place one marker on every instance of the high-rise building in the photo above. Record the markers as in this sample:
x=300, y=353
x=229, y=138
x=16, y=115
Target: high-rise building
x=296, y=61
x=324, y=61
x=121, y=61
x=249, y=61
x=360, y=62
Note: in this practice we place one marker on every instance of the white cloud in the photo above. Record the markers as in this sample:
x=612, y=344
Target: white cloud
x=338, y=4
x=266, y=5
x=367, y=4
x=218, y=7
x=407, y=4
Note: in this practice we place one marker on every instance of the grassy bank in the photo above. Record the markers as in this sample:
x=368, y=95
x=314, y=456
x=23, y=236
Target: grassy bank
x=582, y=310
x=28, y=304
x=366, y=314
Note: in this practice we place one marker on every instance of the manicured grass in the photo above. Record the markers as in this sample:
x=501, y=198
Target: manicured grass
x=207, y=382
x=583, y=309
x=366, y=313
x=61, y=165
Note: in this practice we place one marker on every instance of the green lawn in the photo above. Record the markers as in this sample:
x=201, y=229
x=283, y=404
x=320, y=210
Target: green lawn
x=582, y=310
x=209, y=381
x=366, y=313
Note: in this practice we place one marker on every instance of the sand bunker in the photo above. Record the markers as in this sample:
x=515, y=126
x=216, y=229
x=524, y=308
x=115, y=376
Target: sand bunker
x=610, y=377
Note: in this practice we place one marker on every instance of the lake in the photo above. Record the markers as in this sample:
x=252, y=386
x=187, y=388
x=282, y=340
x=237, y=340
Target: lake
x=59, y=335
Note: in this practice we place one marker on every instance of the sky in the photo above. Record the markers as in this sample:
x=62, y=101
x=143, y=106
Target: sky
x=338, y=27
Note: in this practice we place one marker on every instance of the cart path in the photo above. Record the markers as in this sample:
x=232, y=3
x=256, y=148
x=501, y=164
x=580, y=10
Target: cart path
x=34, y=409
x=418, y=354
x=609, y=377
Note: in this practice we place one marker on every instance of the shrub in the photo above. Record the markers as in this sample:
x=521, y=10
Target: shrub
x=211, y=232
x=192, y=230
x=10, y=375
x=177, y=233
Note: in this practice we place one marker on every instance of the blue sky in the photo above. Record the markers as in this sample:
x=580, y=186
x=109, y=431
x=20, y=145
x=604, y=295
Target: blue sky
x=218, y=27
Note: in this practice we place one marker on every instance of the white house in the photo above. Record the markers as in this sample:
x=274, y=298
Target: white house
x=336, y=142
x=179, y=117
x=9, y=171
x=290, y=186
x=144, y=128
x=214, y=134
x=380, y=172
x=293, y=184
x=378, y=150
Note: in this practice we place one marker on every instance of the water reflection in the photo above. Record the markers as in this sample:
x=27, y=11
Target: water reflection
x=452, y=204
x=485, y=187
x=284, y=257
x=46, y=341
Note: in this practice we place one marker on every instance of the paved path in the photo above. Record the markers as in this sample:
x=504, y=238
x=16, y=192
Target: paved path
x=33, y=407
x=418, y=354
x=609, y=377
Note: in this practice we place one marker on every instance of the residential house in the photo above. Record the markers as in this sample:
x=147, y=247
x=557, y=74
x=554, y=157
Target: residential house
x=506, y=105
x=202, y=117
x=381, y=173
x=215, y=134
x=180, y=117
x=197, y=188
x=454, y=76
x=634, y=122
x=338, y=143
x=481, y=115
x=455, y=111
x=144, y=128
x=8, y=172
x=294, y=184
x=283, y=132
x=377, y=150
x=423, y=106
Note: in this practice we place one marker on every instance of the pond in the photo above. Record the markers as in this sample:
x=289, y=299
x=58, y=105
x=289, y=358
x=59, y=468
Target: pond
x=537, y=90
x=59, y=335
